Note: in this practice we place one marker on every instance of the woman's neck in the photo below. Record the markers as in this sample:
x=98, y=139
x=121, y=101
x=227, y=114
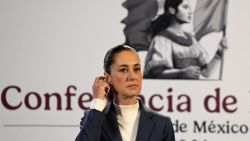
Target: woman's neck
x=127, y=111
x=125, y=100
x=176, y=27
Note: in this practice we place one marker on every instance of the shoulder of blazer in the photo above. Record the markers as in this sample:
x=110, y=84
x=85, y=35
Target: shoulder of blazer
x=152, y=114
x=87, y=112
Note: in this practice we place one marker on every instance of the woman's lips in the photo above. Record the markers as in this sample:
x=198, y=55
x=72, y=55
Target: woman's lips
x=132, y=85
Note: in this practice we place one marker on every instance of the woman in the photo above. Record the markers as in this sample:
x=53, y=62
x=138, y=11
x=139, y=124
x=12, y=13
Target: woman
x=124, y=117
x=173, y=53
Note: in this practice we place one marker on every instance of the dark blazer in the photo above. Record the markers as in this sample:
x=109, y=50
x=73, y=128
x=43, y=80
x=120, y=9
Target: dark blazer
x=102, y=126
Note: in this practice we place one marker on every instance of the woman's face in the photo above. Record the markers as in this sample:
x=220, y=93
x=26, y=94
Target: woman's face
x=126, y=75
x=184, y=12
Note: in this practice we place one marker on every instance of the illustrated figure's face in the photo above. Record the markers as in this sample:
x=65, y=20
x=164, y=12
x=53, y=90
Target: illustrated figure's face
x=125, y=74
x=184, y=13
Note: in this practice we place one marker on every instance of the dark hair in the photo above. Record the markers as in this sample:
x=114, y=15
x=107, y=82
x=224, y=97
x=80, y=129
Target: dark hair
x=111, y=53
x=164, y=20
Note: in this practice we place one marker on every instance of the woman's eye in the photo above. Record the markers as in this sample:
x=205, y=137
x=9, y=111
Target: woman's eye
x=123, y=70
x=137, y=69
x=185, y=6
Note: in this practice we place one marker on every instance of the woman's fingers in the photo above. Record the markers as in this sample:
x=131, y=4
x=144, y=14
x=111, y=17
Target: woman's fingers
x=224, y=43
x=100, y=87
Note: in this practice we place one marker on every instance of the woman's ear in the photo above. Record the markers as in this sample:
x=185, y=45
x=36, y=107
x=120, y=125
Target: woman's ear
x=171, y=10
x=107, y=78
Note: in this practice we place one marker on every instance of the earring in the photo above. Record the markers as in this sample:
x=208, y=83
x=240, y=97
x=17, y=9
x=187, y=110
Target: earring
x=171, y=10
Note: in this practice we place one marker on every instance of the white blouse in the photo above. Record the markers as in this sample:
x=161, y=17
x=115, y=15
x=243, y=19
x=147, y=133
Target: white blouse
x=127, y=117
x=170, y=54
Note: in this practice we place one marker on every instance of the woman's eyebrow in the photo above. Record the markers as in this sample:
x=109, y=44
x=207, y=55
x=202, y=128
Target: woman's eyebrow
x=137, y=65
x=123, y=65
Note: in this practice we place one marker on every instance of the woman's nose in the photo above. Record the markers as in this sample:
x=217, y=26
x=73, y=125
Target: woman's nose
x=132, y=75
x=190, y=12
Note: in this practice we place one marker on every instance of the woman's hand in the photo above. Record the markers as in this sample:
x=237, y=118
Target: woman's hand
x=192, y=72
x=222, y=46
x=224, y=43
x=100, y=88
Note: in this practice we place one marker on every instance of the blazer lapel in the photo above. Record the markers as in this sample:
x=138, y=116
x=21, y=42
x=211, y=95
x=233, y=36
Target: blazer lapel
x=110, y=125
x=145, y=124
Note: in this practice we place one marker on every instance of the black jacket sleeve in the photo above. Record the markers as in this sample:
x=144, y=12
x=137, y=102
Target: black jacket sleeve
x=90, y=126
x=169, y=131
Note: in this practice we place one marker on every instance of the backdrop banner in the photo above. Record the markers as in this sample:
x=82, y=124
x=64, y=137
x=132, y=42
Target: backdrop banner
x=52, y=50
